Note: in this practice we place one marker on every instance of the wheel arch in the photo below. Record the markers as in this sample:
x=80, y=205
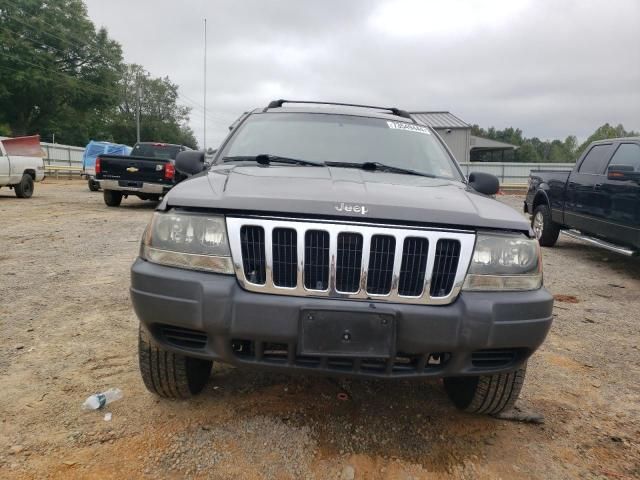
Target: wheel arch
x=31, y=172
x=541, y=198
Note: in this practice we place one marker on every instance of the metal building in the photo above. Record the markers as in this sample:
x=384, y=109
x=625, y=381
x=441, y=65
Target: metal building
x=455, y=132
x=457, y=135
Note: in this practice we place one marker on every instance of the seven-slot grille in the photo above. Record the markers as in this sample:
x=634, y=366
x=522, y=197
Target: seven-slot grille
x=407, y=265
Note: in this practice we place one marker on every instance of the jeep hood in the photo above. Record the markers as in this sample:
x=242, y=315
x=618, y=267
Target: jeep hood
x=326, y=191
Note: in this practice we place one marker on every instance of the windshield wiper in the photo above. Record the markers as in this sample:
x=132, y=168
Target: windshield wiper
x=266, y=159
x=380, y=167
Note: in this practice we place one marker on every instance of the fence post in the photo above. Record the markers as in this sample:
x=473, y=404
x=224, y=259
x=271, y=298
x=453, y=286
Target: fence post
x=69, y=158
x=503, y=173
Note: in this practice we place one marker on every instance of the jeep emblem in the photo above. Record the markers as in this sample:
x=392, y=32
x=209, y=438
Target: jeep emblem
x=345, y=207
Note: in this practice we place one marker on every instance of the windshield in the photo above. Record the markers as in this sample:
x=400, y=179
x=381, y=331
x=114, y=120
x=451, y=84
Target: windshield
x=345, y=139
x=156, y=150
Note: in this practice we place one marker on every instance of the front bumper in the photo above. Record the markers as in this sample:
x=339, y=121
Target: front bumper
x=210, y=316
x=152, y=188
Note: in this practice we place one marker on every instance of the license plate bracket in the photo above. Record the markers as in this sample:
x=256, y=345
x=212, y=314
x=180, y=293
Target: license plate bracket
x=130, y=183
x=347, y=333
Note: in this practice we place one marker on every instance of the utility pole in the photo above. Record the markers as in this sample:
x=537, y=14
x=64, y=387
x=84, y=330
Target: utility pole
x=138, y=94
x=204, y=133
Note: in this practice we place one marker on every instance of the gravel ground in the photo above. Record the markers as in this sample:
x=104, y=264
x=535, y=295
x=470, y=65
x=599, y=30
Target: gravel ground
x=68, y=330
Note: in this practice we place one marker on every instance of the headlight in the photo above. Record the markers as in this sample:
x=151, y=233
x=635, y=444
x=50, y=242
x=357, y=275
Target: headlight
x=188, y=240
x=504, y=262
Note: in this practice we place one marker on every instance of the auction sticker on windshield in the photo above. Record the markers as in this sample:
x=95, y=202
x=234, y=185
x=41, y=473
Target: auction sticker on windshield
x=408, y=126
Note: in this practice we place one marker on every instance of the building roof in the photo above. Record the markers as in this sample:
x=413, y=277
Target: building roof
x=485, y=143
x=439, y=119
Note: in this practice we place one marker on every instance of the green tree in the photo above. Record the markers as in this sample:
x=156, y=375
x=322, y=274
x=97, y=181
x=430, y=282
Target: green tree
x=571, y=145
x=527, y=153
x=558, y=153
x=56, y=71
x=603, y=132
x=162, y=119
x=536, y=150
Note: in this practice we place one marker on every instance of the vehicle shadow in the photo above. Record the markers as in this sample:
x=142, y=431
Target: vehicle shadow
x=10, y=195
x=585, y=252
x=138, y=205
x=411, y=420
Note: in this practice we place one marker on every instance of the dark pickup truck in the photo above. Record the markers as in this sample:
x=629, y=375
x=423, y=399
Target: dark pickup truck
x=148, y=173
x=598, y=201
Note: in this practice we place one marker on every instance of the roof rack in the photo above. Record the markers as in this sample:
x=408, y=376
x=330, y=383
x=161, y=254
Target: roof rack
x=393, y=110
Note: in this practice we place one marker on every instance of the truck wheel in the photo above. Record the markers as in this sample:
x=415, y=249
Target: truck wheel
x=169, y=374
x=545, y=229
x=25, y=188
x=487, y=394
x=93, y=185
x=112, y=198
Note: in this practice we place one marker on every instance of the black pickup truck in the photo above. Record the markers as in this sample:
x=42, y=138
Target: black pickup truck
x=598, y=201
x=148, y=173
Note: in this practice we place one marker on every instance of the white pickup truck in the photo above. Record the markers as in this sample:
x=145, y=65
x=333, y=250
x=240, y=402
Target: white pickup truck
x=21, y=164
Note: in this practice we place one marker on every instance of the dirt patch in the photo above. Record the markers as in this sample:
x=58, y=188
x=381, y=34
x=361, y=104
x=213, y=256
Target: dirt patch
x=566, y=298
x=64, y=279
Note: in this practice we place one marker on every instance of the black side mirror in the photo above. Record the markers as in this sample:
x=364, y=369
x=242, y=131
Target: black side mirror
x=622, y=172
x=484, y=183
x=190, y=162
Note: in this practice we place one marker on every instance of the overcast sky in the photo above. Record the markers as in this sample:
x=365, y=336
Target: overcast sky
x=550, y=67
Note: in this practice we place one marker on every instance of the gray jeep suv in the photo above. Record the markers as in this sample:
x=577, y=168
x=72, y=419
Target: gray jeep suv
x=339, y=240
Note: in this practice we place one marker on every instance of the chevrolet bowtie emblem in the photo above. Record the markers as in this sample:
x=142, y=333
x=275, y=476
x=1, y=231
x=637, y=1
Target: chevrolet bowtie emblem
x=132, y=169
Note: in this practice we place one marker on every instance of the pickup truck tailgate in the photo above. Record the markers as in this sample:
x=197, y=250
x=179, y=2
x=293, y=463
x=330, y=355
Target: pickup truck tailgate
x=133, y=169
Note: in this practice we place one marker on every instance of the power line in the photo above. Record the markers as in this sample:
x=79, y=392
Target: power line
x=68, y=77
x=220, y=122
x=70, y=42
x=89, y=86
x=194, y=102
x=62, y=74
x=40, y=29
x=25, y=37
x=216, y=123
x=50, y=80
x=195, y=105
x=192, y=106
x=79, y=82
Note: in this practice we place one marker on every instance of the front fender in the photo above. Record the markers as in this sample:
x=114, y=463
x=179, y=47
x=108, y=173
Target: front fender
x=542, y=195
x=536, y=194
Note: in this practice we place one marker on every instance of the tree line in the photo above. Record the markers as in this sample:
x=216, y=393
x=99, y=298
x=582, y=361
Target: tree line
x=61, y=76
x=541, y=151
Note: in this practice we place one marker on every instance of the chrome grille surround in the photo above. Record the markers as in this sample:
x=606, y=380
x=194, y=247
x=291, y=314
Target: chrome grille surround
x=465, y=238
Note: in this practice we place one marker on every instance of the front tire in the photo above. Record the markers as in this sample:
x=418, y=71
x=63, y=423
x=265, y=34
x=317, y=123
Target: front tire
x=168, y=374
x=112, y=198
x=25, y=188
x=544, y=227
x=486, y=394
